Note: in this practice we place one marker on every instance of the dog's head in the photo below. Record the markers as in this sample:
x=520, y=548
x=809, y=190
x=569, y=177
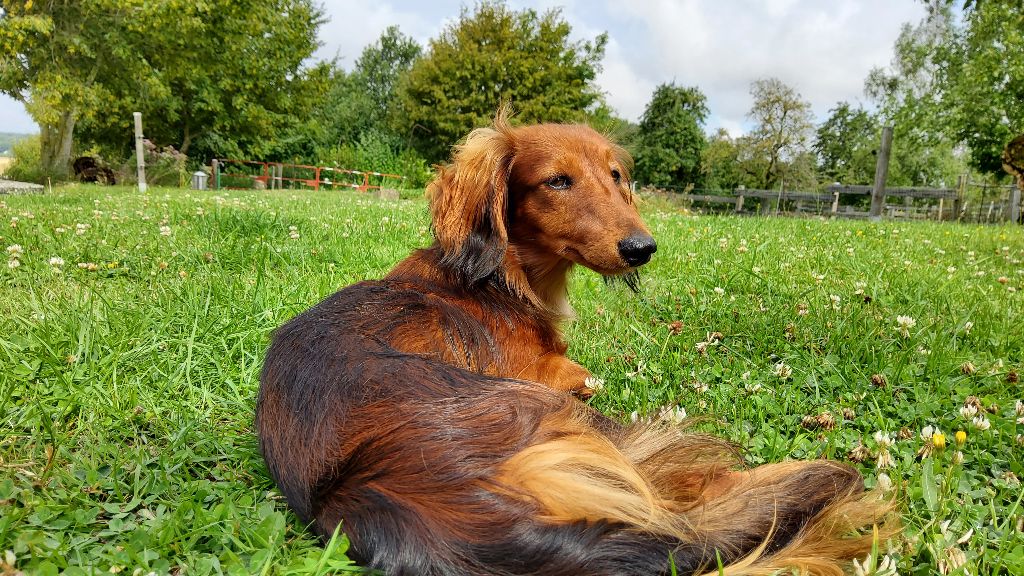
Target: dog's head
x=528, y=202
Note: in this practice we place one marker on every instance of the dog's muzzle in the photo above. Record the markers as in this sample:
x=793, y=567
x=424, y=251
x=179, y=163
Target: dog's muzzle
x=636, y=250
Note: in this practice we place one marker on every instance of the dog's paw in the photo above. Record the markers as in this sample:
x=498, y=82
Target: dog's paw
x=583, y=392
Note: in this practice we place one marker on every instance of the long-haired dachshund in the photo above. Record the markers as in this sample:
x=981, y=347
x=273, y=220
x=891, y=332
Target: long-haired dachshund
x=434, y=415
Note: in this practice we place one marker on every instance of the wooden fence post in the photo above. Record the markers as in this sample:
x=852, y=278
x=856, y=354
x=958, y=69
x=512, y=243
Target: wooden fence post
x=881, y=173
x=140, y=160
x=961, y=196
x=216, y=174
x=835, y=202
x=739, y=203
x=1014, y=204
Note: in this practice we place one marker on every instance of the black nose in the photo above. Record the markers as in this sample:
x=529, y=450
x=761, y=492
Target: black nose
x=637, y=249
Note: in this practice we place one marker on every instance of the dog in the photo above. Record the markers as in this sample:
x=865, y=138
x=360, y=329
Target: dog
x=434, y=417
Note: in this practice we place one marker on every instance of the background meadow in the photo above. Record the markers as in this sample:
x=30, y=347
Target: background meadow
x=132, y=328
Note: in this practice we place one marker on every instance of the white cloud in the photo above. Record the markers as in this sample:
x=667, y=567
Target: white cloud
x=822, y=49
x=354, y=24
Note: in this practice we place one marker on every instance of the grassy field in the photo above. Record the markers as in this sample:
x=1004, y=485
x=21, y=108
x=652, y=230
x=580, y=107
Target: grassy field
x=132, y=328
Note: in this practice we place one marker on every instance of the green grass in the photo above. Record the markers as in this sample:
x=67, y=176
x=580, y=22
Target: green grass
x=127, y=387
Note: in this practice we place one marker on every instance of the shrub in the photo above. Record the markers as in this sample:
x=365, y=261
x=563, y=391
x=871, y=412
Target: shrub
x=26, y=167
x=380, y=152
x=164, y=167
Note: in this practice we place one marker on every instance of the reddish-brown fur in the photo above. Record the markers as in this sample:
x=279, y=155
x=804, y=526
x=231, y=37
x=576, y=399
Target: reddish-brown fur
x=430, y=414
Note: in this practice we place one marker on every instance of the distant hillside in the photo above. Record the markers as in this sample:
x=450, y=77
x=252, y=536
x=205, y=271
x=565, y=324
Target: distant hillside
x=7, y=139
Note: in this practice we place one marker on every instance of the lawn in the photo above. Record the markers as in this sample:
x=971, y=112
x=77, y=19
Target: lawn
x=132, y=328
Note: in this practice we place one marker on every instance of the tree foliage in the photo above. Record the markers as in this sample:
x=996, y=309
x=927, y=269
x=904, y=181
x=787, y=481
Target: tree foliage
x=54, y=57
x=983, y=72
x=494, y=54
x=364, y=100
x=220, y=75
x=671, y=139
x=380, y=68
x=957, y=79
x=783, y=124
x=846, y=144
x=225, y=77
x=720, y=164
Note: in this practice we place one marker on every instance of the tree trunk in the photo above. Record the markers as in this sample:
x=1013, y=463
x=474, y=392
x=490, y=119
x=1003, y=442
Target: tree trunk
x=55, y=146
x=186, y=141
x=1013, y=160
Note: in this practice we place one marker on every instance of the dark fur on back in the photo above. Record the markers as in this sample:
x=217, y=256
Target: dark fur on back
x=428, y=413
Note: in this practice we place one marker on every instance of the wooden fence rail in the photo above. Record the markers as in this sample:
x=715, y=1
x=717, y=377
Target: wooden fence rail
x=950, y=205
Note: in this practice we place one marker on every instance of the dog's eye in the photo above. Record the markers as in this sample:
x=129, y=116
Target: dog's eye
x=560, y=182
x=617, y=176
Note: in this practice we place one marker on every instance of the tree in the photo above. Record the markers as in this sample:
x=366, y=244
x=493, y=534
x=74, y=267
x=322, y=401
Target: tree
x=720, y=163
x=671, y=138
x=494, y=54
x=52, y=56
x=226, y=78
x=957, y=80
x=909, y=97
x=846, y=145
x=380, y=67
x=983, y=72
x=228, y=75
x=782, y=128
x=366, y=99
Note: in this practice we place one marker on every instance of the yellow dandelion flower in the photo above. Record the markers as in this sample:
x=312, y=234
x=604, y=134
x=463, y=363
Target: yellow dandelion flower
x=939, y=440
x=960, y=437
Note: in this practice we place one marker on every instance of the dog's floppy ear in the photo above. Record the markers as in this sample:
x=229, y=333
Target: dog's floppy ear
x=468, y=199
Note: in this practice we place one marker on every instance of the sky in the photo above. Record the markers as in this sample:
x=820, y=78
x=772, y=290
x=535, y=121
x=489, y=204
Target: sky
x=822, y=48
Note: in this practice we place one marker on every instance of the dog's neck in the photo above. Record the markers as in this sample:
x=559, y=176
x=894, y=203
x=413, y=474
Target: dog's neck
x=539, y=277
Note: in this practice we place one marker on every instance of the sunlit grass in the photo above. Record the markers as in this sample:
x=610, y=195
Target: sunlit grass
x=133, y=327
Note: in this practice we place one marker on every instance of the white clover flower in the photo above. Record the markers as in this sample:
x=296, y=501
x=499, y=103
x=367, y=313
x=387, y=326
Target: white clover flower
x=673, y=414
x=968, y=326
x=13, y=263
x=904, y=324
x=783, y=371
x=56, y=261
x=884, y=459
x=594, y=382
x=835, y=301
x=885, y=567
x=884, y=482
x=883, y=439
x=968, y=411
x=719, y=291
x=1018, y=407
x=954, y=559
x=15, y=250
x=981, y=423
x=165, y=230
